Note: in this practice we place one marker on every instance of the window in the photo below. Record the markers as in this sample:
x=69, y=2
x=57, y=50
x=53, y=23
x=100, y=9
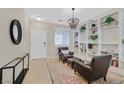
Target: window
x=62, y=36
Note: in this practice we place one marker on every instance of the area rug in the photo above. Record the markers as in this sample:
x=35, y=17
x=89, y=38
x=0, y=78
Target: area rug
x=63, y=74
x=55, y=72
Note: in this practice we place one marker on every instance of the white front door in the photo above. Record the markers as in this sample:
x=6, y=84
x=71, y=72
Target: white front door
x=38, y=44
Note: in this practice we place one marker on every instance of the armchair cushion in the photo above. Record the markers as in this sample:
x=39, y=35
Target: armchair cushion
x=87, y=67
x=64, y=51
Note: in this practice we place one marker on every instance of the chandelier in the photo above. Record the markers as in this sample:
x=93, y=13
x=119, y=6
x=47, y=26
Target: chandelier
x=73, y=21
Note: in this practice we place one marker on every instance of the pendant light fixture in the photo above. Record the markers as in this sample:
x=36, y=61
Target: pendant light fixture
x=73, y=21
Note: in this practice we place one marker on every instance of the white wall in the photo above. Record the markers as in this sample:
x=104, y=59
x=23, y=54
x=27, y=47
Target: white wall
x=50, y=28
x=8, y=50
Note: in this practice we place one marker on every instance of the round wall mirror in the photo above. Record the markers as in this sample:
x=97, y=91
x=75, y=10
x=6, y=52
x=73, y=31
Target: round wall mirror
x=15, y=31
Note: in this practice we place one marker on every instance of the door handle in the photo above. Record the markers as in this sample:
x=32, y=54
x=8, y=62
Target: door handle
x=44, y=44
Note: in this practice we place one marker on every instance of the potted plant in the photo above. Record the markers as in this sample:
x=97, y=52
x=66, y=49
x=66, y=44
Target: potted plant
x=93, y=37
x=82, y=29
x=109, y=20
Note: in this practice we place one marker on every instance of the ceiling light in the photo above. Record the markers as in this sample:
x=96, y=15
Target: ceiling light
x=39, y=18
x=73, y=21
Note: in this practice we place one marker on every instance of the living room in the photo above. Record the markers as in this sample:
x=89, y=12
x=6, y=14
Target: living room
x=86, y=51
x=61, y=46
x=90, y=38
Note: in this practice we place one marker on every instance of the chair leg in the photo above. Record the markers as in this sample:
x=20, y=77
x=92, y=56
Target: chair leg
x=74, y=71
x=59, y=58
x=89, y=82
x=63, y=62
x=67, y=64
x=104, y=78
x=72, y=65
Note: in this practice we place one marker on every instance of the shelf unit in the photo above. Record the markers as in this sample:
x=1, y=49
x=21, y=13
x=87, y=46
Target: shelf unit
x=110, y=36
x=76, y=42
x=82, y=40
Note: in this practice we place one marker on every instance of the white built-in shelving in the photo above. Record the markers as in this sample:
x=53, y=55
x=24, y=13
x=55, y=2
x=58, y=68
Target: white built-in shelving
x=110, y=36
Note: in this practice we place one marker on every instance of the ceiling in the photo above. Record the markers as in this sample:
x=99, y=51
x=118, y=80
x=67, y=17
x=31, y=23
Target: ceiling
x=53, y=15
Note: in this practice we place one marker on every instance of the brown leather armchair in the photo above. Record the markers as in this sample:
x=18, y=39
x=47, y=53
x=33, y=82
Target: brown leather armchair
x=62, y=56
x=97, y=69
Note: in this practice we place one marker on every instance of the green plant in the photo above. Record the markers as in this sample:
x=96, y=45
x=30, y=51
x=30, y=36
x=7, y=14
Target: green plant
x=82, y=29
x=109, y=20
x=93, y=37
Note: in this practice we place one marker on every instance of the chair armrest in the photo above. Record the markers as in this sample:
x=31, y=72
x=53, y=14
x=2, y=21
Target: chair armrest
x=59, y=53
x=88, y=64
x=71, y=53
x=77, y=58
x=85, y=67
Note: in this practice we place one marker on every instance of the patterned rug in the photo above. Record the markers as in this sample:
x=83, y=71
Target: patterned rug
x=63, y=74
x=55, y=72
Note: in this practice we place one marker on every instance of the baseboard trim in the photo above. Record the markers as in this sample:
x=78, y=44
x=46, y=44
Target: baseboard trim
x=52, y=57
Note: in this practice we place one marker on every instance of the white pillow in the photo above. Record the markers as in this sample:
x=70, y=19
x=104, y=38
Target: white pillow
x=88, y=61
x=65, y=51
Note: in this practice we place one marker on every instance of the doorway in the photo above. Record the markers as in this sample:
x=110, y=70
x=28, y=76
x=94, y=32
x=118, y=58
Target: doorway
x=38, y=44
